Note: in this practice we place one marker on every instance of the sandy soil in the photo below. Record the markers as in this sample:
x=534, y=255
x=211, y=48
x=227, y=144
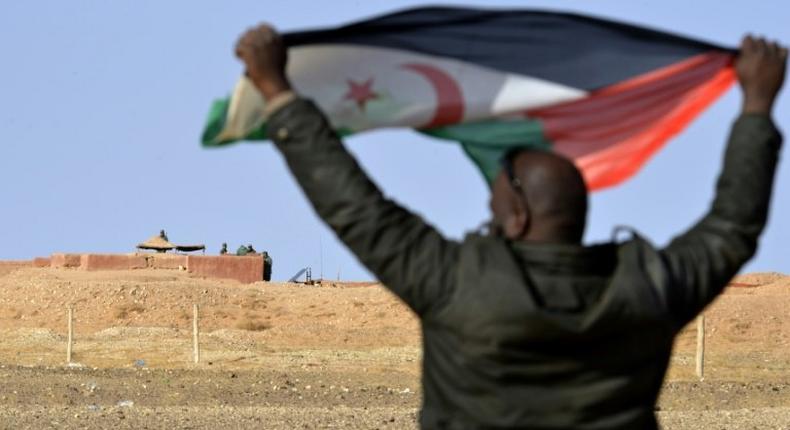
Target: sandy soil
x=293, y=356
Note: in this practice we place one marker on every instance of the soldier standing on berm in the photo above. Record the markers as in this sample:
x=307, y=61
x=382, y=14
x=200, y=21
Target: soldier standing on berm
x=527, y=328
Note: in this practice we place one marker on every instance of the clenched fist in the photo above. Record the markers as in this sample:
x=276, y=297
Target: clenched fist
x=262, y=51
x=761, y=71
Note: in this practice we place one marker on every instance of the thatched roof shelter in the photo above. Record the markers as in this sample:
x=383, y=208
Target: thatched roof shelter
x=156, y=243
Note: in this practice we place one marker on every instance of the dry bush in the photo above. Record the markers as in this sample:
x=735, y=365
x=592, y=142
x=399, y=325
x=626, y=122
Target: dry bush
x=252, y=325
x=122, y=311
x=325, y=315
x=248, y=303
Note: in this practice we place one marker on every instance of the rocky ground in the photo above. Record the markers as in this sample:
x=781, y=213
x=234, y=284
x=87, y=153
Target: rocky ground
x=291, y=356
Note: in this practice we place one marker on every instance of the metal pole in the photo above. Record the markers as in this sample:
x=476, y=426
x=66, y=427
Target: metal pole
x=70, y=335
x=700, y=346
x=195, y=334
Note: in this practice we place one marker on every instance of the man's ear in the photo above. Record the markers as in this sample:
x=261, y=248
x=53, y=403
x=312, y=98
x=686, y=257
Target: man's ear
x=516, y=224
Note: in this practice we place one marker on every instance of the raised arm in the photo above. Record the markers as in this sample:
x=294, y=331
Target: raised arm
x=409, y=256
x=703, y=260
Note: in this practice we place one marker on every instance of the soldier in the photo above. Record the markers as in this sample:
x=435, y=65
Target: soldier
x=267, y=267
x=224, y=249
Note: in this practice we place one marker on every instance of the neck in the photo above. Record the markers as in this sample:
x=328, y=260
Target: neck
x=543, y=234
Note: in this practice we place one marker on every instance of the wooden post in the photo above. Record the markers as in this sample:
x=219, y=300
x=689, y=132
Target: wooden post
x=700, y=346
x=70, y=335
x=195, y=334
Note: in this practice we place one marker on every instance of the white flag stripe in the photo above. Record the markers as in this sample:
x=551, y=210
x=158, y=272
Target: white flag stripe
x=522, y=92
x=245, y=112
x=393, y=94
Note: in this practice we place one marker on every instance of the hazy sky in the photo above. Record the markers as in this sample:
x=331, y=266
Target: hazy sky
x=102, y=104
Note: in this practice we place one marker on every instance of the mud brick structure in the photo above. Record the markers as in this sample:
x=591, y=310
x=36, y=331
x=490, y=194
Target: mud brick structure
x=245, y=269
x=167, y=261
x=42, y=262
x=92, y=262
x=60, y=260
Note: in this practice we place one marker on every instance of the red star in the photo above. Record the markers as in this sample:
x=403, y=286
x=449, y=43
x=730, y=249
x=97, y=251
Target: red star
x=361, y=92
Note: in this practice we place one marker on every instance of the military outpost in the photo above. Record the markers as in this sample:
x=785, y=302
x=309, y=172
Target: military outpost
x=245, y=266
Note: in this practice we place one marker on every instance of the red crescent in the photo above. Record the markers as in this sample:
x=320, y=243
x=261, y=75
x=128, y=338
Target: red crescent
x=450, y=100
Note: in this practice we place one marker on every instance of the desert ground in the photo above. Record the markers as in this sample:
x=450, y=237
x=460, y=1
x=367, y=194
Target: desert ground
x=287, y=356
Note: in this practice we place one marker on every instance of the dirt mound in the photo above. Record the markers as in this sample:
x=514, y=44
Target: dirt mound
x=7, y=267
x=747, y=326
x=347, y=352
x=359, y=315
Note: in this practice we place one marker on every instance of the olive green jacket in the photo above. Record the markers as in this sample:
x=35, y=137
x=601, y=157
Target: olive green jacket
x=539, y=336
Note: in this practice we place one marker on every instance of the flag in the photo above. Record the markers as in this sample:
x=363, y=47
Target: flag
x=606, y=94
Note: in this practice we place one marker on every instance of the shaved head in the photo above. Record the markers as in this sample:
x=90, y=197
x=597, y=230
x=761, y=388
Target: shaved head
x=544, y=200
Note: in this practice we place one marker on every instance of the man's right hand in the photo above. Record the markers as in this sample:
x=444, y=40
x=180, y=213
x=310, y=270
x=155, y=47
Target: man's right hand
x=263, y=53
x=761, y=70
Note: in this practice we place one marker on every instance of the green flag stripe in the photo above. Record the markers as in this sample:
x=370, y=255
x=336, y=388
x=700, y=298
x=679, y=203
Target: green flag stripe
x=485, y=142
x=215, y=123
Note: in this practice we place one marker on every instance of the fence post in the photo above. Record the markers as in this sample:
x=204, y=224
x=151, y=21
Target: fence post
x=700, y=346
x=195, y=334
x=70, y=335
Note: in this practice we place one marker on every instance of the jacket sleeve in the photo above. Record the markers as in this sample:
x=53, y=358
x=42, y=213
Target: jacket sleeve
x=409, y=256
x=703, y=260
